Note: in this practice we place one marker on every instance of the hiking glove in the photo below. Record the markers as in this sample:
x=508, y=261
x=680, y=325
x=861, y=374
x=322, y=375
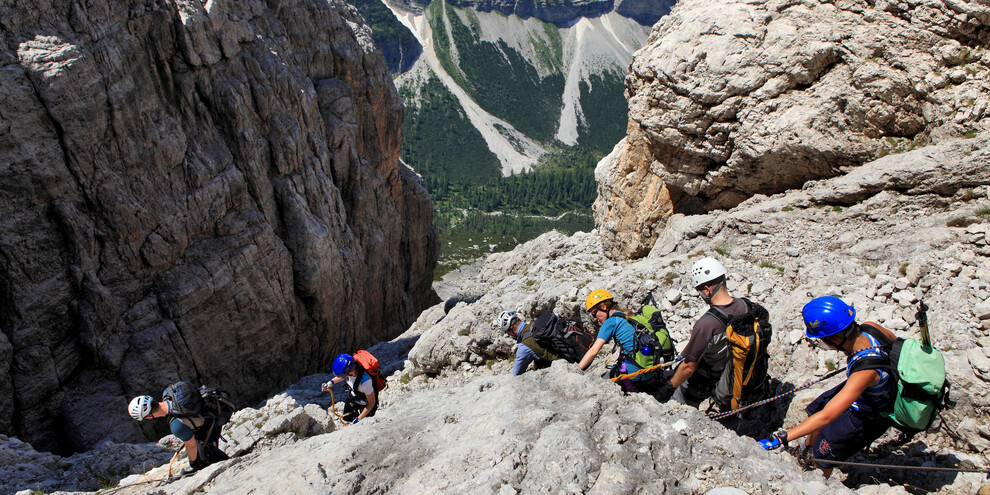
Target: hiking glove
x=777, y=441
x=665, y=392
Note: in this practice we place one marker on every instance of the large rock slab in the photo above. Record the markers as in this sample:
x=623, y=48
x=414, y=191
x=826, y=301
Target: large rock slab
x=208, y=192
x=731, y=99
x=556, y=430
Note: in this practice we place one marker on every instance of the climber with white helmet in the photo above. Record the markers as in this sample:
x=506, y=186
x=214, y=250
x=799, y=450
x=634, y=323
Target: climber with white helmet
x=195, y=416
x=527, y=349
x=707, y=351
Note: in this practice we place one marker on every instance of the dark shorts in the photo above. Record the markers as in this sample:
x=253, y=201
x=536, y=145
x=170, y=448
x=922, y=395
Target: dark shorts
x=850, y=433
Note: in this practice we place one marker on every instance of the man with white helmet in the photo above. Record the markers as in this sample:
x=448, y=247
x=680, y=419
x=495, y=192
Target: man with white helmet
x=527, y=350
x=707, y=351
x=200, y=432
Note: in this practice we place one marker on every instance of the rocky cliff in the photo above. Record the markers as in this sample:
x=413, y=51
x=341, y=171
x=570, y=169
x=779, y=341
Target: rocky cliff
x=730, y=99
x=454, y=419
x=209, y=192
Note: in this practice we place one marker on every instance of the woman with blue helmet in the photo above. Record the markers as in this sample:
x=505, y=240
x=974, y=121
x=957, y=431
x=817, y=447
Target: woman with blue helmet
x=362, y=401
x=848, y=418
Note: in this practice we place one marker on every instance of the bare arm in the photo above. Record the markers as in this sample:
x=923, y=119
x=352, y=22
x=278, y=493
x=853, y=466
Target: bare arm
x=589, y=356
x=684, y=371
x=372, y=398
x=854, y=387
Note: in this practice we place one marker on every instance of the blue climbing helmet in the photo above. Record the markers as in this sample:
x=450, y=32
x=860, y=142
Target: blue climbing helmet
x=343, y=364
x=827, y=315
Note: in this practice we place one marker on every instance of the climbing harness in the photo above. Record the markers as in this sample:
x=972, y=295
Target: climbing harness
x=645, y=370
x=771, y=399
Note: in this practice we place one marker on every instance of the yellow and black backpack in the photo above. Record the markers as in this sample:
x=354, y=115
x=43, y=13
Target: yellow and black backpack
x=748, y=335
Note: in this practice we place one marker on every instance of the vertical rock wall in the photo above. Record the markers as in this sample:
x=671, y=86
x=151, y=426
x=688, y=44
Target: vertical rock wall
x=209, y=192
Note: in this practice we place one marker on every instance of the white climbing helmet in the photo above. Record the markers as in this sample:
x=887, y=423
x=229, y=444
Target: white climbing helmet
x=705, y=271
x=140, y=407
x=505, y=320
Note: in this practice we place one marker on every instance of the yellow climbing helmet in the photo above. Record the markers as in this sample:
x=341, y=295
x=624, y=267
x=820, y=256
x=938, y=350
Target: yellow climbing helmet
x=596, y=296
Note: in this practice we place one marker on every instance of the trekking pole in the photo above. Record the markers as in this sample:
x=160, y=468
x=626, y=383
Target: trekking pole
x=646, y=370
x=649, y=299
x=771, y=399
x=922, y=317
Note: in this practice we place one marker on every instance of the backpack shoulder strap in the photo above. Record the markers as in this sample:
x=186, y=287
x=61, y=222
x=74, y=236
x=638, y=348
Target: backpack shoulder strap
x=873, y=331
x=874, y=362
x=719, y=315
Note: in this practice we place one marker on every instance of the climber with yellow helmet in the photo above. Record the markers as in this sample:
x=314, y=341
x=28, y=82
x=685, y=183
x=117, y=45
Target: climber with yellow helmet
x=601, y=305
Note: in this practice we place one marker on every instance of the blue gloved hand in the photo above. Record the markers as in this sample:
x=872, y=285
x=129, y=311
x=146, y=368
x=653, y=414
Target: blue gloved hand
x=777, y=441
x=770, y=443
x=355, y=421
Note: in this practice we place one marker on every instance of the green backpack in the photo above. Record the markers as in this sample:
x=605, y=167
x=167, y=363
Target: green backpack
x=651, y=336
x=919, y=372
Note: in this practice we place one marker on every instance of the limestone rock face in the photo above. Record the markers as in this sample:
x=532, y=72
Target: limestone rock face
x=208, y=192
x=731, y=99
x=454, y=418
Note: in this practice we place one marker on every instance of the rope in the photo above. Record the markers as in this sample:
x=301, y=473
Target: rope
x=771, y=399
x=174, y=457
x=909, y=468
x=159, y=482
x=333, y=408
x=645, y=370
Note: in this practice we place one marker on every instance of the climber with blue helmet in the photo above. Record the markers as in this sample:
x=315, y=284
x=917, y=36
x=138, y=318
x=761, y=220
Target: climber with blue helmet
x=362, y=399
x=849, y=417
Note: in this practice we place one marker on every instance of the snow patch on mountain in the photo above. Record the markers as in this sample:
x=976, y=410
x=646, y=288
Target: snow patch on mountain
x=514, y=150
x=594, y=46
x=600, y=45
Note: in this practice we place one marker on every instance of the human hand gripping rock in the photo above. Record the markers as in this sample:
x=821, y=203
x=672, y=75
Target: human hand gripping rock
x=777, y=441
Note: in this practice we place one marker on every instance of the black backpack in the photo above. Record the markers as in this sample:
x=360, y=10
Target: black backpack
x=748, y=336
x=184, y=400
x=561, y=337
x=198, y=406
x=217, y=403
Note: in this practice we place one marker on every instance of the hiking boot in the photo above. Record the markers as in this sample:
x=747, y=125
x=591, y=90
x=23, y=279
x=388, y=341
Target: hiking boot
x=186, y=471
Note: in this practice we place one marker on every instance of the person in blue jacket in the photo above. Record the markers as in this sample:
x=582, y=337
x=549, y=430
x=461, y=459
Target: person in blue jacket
x=527, y=350
x=851, y=416
x=604, y=312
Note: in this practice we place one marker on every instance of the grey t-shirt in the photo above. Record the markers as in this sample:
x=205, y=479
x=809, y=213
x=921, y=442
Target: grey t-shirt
x=707, y=343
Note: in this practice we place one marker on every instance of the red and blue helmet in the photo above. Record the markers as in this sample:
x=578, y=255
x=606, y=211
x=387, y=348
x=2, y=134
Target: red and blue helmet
x=827, y=315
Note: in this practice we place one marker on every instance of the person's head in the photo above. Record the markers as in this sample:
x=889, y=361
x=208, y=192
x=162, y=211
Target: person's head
x=142, y=407
x=343, y=365
x=708, y=277
x=830, y=320
x=507, y=322
x=598, y=304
